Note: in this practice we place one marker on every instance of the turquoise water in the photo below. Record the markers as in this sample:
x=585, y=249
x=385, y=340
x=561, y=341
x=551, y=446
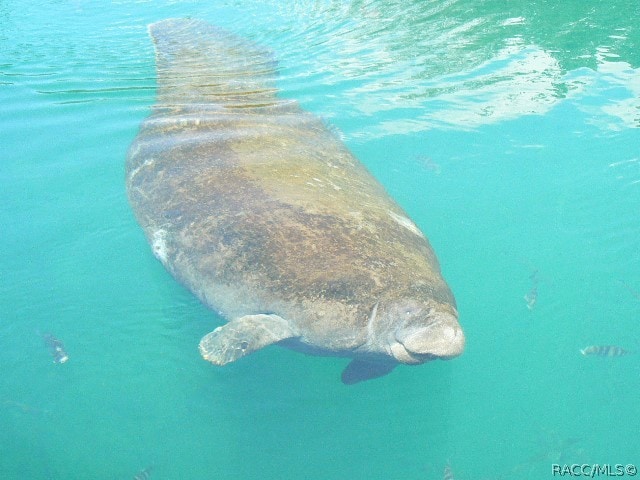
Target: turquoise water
x=509, y=131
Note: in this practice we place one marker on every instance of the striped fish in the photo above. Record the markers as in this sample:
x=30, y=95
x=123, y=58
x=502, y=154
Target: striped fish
x=604, y=351
x=143, y=474
x=448, y=473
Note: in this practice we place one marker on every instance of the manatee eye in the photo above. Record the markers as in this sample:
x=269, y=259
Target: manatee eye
x=244, y=345
x=412, y=311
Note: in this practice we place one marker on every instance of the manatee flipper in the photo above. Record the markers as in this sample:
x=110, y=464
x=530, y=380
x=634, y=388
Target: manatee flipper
x=243, y=336
x=360, y=370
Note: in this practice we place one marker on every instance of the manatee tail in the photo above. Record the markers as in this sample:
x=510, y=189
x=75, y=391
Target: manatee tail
x=198, y=63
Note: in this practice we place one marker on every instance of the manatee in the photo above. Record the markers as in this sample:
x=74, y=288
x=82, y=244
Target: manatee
x=259, y=209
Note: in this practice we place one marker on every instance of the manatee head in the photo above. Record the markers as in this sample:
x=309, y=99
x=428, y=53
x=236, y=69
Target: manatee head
x=422, y=331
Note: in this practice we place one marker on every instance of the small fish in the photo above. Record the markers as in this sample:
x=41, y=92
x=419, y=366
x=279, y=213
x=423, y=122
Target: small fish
x=532, y=297
x=448, y=473
x=56, y=347
x=633, y=292
x=604, y=351
x=143, y=474
x=23, y=407
x=428, y=163
x=535, y=276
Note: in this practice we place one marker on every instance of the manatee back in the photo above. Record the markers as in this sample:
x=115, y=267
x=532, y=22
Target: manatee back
x=199, y=63
x=257, y=206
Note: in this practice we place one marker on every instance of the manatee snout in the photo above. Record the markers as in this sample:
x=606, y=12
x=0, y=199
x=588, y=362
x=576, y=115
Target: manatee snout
x=441, y=338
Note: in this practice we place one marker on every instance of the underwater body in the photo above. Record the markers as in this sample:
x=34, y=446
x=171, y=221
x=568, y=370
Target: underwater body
x=507, y=133
x=265, y=216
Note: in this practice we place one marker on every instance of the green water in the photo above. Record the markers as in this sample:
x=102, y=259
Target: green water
x=509, y=131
